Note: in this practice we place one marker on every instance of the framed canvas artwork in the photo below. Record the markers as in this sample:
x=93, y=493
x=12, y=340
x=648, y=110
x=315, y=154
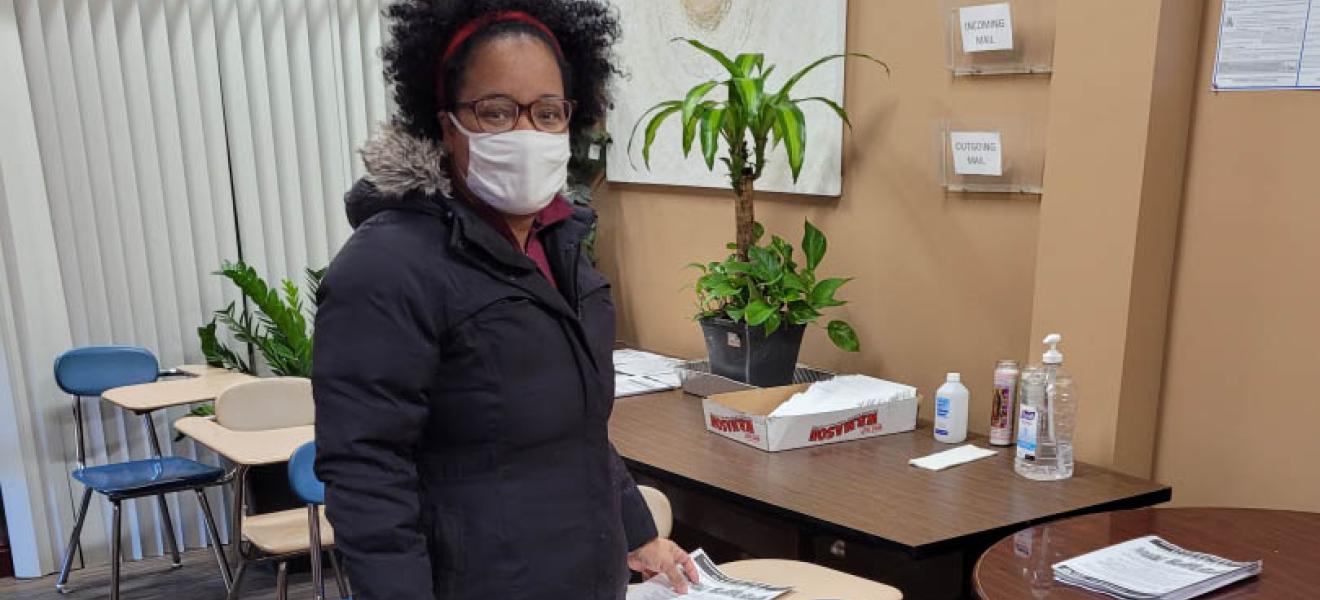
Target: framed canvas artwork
x=791, y=34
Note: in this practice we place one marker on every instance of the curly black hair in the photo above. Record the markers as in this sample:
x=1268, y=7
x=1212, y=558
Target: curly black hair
x=421, y=29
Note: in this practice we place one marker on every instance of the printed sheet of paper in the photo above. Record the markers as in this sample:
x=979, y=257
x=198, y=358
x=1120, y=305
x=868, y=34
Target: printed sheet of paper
x=712, y=585
x=637, y=372
x=1268, y=44
x=986, y=28
x=977, y=153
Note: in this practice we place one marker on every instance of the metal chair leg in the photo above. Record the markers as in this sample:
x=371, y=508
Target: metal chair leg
x=237, y=589
x=154, y=441
x=74, y=541
x=216, y=548
x=341, y=580
x=314, y=528
x=282, y=581
x=176, y=561
x=114, y=552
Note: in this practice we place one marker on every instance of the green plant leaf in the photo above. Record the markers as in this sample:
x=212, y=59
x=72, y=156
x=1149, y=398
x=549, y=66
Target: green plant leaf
x=758, y=232
x=758, y=312
x=801, y=313
x=843, y=336
x=793, y=125
x=793, y=81
x=690, y=129
x=735, y=266
x=794, y=283
x=814, y=245
x=719, y=57
x=711, y=123
x=747, y=62
x=734, y=313
x=652, y=128
x=822, y=295
x=747, y=93
x=772, y=324
x=662, y=106
x=838, y=110
x=694, y=98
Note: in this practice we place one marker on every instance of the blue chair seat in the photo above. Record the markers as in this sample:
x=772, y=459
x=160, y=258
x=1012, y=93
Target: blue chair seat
x=148, y=477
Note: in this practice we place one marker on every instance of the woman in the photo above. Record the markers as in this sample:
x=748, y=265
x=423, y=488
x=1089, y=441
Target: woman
x=463, y=372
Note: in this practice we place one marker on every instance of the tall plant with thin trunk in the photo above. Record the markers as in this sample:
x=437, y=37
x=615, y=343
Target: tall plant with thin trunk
x=748, y=124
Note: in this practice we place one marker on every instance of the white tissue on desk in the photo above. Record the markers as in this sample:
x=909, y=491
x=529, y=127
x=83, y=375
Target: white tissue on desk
x=952, y=458
x=845, y=392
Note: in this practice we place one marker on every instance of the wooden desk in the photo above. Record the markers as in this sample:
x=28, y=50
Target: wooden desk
x=1019, y=565
x=856, y=507
x=246, y=448
x=148, y=397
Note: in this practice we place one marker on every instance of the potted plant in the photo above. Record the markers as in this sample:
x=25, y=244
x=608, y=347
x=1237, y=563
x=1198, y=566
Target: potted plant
x=755, y=304
x=274, y=324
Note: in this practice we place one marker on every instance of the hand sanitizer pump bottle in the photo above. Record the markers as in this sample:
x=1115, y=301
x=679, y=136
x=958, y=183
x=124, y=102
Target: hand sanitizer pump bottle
x=1047, y=418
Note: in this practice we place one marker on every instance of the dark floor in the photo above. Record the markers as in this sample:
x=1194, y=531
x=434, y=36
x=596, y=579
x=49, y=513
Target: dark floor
x=152, y=579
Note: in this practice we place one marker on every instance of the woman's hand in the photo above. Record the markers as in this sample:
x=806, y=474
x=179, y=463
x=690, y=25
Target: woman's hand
x=664, y=556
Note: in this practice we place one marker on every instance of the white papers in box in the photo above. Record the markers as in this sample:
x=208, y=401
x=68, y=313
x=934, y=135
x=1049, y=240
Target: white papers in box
x=748, y=417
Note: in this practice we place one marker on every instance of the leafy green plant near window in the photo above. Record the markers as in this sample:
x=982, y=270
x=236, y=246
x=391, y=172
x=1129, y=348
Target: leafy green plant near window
x=277, y=328
x=274, y=324
x=771, y=289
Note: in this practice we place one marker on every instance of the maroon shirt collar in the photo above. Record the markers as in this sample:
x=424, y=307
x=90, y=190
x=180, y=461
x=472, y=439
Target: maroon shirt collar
x=558, y=210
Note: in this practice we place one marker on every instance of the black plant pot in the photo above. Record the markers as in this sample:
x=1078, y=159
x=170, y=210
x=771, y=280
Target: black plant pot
x=743, y=352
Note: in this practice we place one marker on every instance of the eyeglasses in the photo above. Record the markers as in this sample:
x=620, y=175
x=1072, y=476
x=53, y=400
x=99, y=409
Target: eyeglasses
x=499, y=114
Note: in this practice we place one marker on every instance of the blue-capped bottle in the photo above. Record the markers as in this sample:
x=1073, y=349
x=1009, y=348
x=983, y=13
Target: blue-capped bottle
x=1047, y=418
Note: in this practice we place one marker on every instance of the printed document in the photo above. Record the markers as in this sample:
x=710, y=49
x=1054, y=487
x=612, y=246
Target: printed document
x=1151, y=568
x=1268, y=44
x=637, y=372
x=713, y=585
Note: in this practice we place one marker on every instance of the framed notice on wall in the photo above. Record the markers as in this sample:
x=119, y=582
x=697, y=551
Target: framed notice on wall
x=1268, y=45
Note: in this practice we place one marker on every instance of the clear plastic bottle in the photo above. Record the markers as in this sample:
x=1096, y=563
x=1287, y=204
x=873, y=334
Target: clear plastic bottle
x=1047, y=418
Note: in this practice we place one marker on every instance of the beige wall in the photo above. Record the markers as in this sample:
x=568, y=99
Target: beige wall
x=1165, y=204
x=944, y=282
x=1236, y=426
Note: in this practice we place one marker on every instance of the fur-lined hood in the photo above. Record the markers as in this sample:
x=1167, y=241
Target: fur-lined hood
x=399, y=162
x=401, y=167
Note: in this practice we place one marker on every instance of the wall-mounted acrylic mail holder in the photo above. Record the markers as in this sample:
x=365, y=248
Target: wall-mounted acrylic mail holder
x=1000, y=37
x=990, y=155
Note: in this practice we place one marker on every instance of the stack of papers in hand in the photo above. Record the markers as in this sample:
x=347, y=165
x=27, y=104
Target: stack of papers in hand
x=712, y=584
x=1150, y=568
x=844, y=392
x=637, y=372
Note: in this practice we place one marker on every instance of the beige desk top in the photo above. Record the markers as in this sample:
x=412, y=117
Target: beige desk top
x=147, y=397
x=810, y=581
x=248, y=448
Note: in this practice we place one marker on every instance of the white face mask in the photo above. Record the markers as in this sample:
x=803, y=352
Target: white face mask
x=518, y=172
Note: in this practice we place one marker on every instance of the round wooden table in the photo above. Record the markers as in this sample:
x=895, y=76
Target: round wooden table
x=1018, y=566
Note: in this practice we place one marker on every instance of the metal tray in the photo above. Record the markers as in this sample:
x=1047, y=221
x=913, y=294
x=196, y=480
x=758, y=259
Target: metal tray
x=696, y=379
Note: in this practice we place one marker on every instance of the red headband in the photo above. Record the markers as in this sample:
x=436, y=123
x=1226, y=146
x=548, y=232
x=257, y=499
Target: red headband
x=503, y=16
x=467, y=31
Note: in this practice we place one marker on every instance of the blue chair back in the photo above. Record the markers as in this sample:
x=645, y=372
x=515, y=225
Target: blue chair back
x=91, y=370
x=302, y=477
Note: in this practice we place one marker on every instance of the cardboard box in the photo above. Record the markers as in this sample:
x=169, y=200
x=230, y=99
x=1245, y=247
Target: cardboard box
x=745, y=417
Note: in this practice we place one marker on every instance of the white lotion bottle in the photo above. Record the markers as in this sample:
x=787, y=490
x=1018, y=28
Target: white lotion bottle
x=951, y=402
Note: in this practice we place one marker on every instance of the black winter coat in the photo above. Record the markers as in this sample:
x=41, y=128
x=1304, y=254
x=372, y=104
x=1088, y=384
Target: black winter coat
x=462, y=401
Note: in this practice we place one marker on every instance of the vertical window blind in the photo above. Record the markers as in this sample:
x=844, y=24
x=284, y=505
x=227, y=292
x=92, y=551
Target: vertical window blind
x=174, y=135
